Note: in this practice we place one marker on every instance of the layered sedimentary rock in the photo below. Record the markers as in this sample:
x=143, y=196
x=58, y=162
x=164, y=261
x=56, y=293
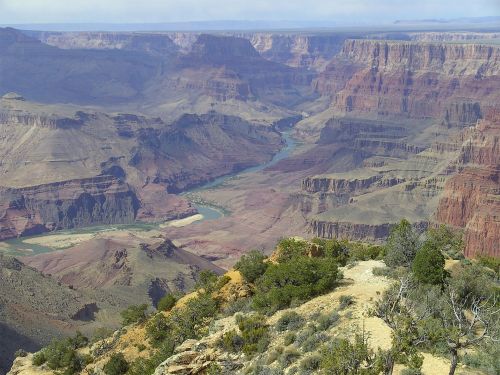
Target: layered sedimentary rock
x=298, y=50
x=67, y=204
x=64, y=169
x=340, y=185
x=228, y=67
x=153, y=43
x=471, y=198
x=216, y=144
x=411, y=79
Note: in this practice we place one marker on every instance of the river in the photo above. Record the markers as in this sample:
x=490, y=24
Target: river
x=19, y=246
x=211, y=212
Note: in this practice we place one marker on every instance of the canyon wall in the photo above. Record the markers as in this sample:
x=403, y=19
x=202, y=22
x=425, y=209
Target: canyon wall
x=417, y=80
x=471, y=199
x=68, y=204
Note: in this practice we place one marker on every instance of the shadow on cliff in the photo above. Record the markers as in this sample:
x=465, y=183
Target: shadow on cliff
x=10, y=341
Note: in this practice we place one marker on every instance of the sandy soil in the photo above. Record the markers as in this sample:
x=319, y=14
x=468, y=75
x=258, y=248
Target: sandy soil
x=182, y=222
x=60, y=241
x=366, y=288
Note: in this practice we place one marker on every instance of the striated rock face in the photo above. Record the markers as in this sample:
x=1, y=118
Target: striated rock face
x=336, y=185
x=350, y=230
x=158, y=44
x=355, y=231
x=471, y=198
x=298, y=50
x=68, y=204
x=228, y=67
x=417, y=80
x=217, y=144
x=14, y=118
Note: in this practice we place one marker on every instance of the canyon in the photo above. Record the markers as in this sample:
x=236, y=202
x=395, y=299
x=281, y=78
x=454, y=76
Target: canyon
x=335, y=134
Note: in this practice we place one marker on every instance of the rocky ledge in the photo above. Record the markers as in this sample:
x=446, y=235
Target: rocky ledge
x=62, y=205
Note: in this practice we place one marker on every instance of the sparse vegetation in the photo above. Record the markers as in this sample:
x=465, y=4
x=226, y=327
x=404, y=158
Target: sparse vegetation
x=342, y=356
x=117, y=365
x=166, y=302
x=310, y=363
x=345, y=301
x=289, y=356
x=62, y=355
x=232, y=342
x=134, y=314
x=325, y=321
x=290, y=320
x=255, y=333
x=427, y=308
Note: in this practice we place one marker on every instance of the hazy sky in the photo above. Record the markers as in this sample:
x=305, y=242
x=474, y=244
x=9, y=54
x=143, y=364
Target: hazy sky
x=146, y=11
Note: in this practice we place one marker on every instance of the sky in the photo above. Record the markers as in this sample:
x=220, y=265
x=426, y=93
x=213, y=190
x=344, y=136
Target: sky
x=162, y=11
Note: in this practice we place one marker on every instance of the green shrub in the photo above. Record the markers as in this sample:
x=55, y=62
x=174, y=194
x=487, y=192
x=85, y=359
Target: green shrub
x=310, y=363
x=345, y=301
x=207, y=280
x=402, y=245
x=325, y=321
x=62, y=354
x=255, y=333
x=299, y=279
x=214, y=369
x=305, y=334
x=473, y=281
x=134, y=314
x=252, y=265
x=335, y=249
x=291, y=248
x=231, y=342
x=486, y=359
x=239, y=305
x=343, y=357
x=158, y=329
x=361, y=251
x=117, y=365
x=39, y=358
x=289, y=320
x=289, y=356
x=166, y=302
x=428, y=265
x=289, y=338
x=221, y=281
x=313, y=341
x=490, y=262
x=447, y=240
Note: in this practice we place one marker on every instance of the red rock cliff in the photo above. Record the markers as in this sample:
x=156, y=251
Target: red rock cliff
x=415, y=80
x=471, y=199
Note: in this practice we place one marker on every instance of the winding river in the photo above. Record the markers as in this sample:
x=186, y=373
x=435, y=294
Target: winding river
x=210, y=212
x=20, y=246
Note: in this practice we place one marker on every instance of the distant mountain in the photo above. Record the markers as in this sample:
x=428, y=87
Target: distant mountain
x=474, y=20
x=177, y=26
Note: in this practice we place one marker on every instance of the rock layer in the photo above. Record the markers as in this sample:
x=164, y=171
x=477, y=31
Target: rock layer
x=471, y=198
x=64, y=205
